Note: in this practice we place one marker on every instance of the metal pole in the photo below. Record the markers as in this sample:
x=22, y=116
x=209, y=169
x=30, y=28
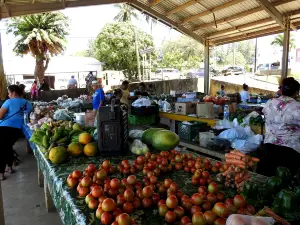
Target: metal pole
x=255, y=59
x=150, y=66
x=285, y=52
x=206, y=67
x=137, y=54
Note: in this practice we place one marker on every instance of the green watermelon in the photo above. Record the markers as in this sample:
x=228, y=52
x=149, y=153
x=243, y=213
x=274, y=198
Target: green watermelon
x=147, y=135
x=165, y=140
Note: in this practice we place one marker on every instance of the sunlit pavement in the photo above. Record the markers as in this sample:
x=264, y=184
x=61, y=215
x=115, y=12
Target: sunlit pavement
x=249, y=79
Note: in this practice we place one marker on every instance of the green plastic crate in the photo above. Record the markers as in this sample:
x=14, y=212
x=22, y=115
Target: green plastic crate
x=190, y=131
x=141, y=120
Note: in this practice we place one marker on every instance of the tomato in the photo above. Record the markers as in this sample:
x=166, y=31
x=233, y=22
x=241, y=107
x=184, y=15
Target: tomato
x=155, y=198
x=124, y=219
x=128, y=207
x=136, y=203
x=198, y=199
x=86, y=182
x=97, y=192
x=179, y=211
x=147, y=202
x=220, y=221
x=239, y=201
x=198, y=219
x=210, y=217
x=170, y=217
x=213, y=188
x=162, y=209
x=129, y=195
x=99, y=212
x=221, y=210
x=172, y=202
x=108, y=205
x=147, y=192
x=185, y=220
x=187, y=204
x=211, y=198
x=195, y=209
x=174, y=187
x=106, y=218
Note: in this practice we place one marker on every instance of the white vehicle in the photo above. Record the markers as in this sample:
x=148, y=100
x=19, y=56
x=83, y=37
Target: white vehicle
x=167, y=74
x=268, y=66
x=111, y=78
x=61, y=83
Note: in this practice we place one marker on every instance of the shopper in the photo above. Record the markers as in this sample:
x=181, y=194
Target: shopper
x=125, y=92
x=141, y=91
x=72, y=83
x=11, y=121
x=282, y=138
x=245, y=96
x=34, y=91
x=44, y=86
x=222, y=91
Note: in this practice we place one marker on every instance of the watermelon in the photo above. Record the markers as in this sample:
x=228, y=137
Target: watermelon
x=165, y=140
x=147, y=135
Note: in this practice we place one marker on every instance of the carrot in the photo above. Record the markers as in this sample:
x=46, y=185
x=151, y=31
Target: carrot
x=255, y=159
x=238, y=153
x=235, y=162
x=245, y=177
x=232, y=156
x=241, y=184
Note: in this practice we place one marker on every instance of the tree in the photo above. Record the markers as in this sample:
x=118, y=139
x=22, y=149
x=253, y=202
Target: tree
x=183, y=52
x=88, y=52
x=43, y=35
x=115, y=47
x=278, y=42
x=126, y=13
x=239, y=59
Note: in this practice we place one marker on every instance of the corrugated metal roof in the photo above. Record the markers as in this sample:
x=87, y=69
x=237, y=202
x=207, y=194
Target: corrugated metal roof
x=235, y=19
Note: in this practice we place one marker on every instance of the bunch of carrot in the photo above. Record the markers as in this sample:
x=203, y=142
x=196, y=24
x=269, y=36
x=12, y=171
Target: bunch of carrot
x=240, y=159
x=237, y=173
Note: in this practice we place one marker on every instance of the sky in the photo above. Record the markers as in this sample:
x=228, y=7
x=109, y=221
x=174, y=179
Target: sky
x=86, y=23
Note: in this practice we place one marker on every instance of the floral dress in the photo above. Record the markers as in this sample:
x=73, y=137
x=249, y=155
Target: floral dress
x=283, y=122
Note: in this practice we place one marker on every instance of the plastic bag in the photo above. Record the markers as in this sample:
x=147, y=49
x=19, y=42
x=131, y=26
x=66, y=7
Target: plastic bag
x=204, y=137
x=222, y=124
x=233, y=134
x=62, y=114
x=236, y=219
x=134, y=134
x=249, y=145
x=141, y=102
x=246, y=120
x=138, y=147
x=95, y=135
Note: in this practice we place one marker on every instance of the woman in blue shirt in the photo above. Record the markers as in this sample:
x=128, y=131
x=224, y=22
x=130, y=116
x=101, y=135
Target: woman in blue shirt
x=11, y=121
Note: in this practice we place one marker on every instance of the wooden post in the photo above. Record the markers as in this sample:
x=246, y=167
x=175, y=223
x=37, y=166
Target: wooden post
x=48, y=199
x=285, y=52
x=2, y=221
x=206, y=68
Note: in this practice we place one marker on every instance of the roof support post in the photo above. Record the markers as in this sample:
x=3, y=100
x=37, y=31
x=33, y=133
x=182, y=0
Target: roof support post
x=285, y=52
x=206, y=67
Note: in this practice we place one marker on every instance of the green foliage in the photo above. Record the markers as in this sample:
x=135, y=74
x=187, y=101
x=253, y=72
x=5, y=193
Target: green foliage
x=39, y=34
x=115, y=47
x=278, y=42
x=126, y=13
x=183, y=52
x=239, y=59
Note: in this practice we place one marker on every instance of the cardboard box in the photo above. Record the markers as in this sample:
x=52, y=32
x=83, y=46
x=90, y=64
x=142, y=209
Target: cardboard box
x=205, y=110
x=185, y=108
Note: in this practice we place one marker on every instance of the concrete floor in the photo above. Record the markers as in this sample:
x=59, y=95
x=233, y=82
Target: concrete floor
x=24, y=202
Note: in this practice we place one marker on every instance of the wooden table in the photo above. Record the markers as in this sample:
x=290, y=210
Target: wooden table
x=181, y=118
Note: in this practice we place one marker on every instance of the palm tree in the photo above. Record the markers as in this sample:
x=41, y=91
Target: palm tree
x=41, y=35
x=278, y=42
x=126, y=13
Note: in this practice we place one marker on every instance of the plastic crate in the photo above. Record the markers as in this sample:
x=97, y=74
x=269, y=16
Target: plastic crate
x=190, y=131
x=141, y=120
x=144, y=110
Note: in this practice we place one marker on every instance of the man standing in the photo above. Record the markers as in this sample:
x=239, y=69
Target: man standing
x=126, y=93
x=72, y=84
x=89, y=79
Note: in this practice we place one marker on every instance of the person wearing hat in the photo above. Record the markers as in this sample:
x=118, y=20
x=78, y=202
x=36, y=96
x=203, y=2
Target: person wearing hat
x=222, y=91
x=72, y=83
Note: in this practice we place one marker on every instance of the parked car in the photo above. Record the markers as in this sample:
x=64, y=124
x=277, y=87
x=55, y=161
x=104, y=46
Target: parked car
x=195, y=73
x=233, y=70
x=167, y=74
x=268, y=66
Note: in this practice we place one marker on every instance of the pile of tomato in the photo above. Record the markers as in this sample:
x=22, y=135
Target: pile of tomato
x=115, y=199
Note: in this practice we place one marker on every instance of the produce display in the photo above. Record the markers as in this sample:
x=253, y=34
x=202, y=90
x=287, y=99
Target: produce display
x=61, y=139
x=218, y=100
x=145, y=186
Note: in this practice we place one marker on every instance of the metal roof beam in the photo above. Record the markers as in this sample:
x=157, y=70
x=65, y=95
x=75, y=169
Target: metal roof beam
x=181, y=7
x=166, y=20
x=261, y=33
x=273, y=12
x=207, y=12
x=239, y=15
x=252, y=24
x=154, y=3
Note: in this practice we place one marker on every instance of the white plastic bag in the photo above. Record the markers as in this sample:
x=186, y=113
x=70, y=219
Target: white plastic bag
x=138, y=147
x=224, y=124
x=249, y=145
x=246, y=120
x=236, y=219
x=141, y=102
x=134, y=134
x=233, y=134
x=62, y=114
